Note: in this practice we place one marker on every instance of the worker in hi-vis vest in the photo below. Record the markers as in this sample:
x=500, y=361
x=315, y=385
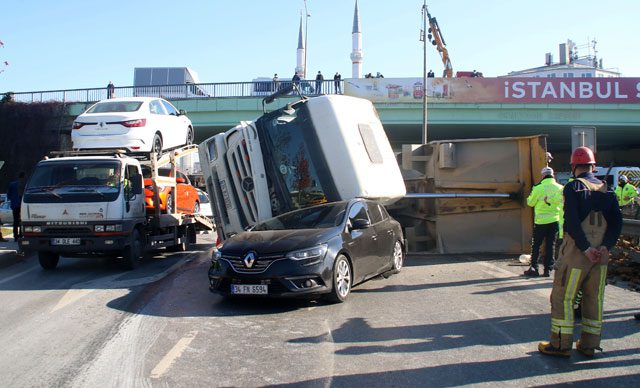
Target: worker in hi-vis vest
x=625, y=191
x=546, y=199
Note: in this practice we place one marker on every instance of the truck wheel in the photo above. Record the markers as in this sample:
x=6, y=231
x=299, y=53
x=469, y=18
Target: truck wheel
x=341, y=280
x=187, y=239
x=48, y=260
x=132, y=254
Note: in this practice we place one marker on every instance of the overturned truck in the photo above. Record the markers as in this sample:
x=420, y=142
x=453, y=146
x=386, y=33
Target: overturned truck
x=469, y=196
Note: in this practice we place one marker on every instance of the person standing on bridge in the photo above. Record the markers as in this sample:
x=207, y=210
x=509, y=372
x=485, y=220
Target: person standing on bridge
x=336, y=83
x=319, y=81
x=111, y=90
x=546, y=198
x=592, y=225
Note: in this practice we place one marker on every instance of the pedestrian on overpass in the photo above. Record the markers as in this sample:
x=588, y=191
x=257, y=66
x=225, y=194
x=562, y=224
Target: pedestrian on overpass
x=592, y=225
x=626, y=194
x=319, y=81
x=546, y=199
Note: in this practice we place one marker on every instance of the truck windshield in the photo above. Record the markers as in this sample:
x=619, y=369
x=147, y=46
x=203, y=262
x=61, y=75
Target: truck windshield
x=293, y=161
x=74, y=181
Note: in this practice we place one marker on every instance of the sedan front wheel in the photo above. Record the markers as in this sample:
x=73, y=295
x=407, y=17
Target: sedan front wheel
x=341, y=280
x=398, y=257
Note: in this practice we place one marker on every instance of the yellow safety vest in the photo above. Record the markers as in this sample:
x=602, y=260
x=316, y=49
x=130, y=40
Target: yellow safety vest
x=547, y=200
x=626, y=194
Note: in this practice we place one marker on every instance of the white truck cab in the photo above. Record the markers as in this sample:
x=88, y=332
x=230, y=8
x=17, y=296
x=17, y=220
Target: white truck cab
x=316, y=150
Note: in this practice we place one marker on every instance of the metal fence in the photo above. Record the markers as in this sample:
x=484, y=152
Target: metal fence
x=178, y=92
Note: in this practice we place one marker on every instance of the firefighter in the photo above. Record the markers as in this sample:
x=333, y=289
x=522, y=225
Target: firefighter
x=546, y=199
x=592, y=225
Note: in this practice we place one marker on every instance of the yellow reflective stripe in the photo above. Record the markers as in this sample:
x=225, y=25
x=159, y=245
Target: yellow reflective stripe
x=560, y=322
x=591, y=322
x=603, y=282
x=570, y=293
x=591, y=330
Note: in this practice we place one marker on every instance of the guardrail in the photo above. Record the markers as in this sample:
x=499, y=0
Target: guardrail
x=176, y=92
x=631, y=227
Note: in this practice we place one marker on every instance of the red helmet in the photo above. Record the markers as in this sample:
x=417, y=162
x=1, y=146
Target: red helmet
x=582, y=155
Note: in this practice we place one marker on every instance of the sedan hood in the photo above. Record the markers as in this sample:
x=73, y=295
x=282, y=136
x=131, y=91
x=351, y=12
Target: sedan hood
x=277, y=241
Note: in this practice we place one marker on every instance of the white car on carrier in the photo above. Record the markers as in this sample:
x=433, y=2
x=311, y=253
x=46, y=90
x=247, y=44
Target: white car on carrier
x=138, y=124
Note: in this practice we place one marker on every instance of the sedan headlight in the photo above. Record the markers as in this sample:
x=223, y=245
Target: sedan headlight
x=308, y=253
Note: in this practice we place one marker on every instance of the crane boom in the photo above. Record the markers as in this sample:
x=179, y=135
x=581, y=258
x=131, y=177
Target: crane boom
x=436, y=38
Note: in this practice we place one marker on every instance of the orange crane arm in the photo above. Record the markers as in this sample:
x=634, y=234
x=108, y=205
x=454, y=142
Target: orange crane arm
x=436, y=38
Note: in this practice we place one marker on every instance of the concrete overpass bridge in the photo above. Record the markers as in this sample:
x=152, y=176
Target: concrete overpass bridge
x=457, y=108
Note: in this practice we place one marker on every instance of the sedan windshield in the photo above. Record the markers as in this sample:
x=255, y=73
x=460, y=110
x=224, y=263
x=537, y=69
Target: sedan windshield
x=325, y=216
x=115, y=106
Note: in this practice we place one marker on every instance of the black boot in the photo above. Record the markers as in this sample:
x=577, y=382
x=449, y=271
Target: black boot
x=532, y=272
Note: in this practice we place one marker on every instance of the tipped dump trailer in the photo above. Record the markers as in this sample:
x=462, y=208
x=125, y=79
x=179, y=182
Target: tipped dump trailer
x=315, y=150
x=477, y=190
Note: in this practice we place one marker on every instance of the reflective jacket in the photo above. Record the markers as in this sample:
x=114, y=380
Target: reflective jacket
x=626, y=194
x=546, y=199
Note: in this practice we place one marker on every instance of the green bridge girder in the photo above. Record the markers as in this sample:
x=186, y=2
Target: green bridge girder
x=617, y=125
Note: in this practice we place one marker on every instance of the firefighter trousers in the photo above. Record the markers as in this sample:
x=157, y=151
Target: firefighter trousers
x=576, y=272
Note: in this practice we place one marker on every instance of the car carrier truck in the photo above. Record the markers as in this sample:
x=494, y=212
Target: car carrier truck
x=314, y=150
x=92, y=203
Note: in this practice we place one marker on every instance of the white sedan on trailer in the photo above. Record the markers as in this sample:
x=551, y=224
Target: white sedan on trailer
x=138, y=124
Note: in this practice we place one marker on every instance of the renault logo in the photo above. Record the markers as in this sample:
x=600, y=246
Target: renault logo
x=249, y=259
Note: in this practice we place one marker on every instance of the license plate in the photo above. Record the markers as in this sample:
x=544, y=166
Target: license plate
x=65, y=241
x=249, y=289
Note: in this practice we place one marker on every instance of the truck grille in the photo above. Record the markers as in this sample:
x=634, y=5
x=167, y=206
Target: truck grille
x=67, y=231
x=259, y=265
x=239, y=165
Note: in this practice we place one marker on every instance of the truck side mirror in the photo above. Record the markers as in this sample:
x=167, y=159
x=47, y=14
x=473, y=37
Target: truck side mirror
x=137, y=184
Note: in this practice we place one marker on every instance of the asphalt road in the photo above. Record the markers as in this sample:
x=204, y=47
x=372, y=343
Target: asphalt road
x=443, y=321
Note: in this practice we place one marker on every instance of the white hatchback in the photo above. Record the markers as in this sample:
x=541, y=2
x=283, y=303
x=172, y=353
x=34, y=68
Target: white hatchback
x=138, y=124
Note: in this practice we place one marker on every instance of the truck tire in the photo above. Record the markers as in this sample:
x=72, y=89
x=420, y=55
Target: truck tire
x=186, y=241
x=48, y=260
x=132, y=254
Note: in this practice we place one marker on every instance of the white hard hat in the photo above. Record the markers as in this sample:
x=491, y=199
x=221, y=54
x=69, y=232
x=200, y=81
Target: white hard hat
x=546, y=171
x=623, y=178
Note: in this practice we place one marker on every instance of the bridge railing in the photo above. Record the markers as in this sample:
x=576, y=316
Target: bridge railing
x=175, y=92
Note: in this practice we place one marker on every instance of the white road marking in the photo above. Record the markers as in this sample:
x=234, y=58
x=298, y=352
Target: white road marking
x=175, y=353
x=10, y=278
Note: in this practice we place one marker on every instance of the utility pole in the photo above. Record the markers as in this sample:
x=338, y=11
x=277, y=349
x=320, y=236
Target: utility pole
x=423, y=37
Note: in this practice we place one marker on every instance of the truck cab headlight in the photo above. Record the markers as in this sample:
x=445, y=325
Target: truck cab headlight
x=33, y=229
x=98, y=228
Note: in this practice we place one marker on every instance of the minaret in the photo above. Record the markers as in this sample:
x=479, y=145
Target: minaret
x=356, y=54
x=300, y=65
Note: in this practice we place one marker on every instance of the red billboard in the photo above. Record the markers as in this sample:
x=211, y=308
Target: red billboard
x=499, y=90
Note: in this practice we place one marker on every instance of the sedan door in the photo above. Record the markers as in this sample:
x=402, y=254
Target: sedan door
x=384, y=233
x=362, y=243
x=178, y=128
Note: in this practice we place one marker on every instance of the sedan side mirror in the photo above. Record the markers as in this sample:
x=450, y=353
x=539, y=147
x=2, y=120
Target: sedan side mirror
x=182, y=112
x=360, y=223
x=181, y=180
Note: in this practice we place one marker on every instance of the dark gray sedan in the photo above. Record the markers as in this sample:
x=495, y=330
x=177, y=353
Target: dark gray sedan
x=325, y=249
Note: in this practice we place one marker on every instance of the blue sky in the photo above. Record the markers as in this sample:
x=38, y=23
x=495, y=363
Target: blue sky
x=80, y=44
